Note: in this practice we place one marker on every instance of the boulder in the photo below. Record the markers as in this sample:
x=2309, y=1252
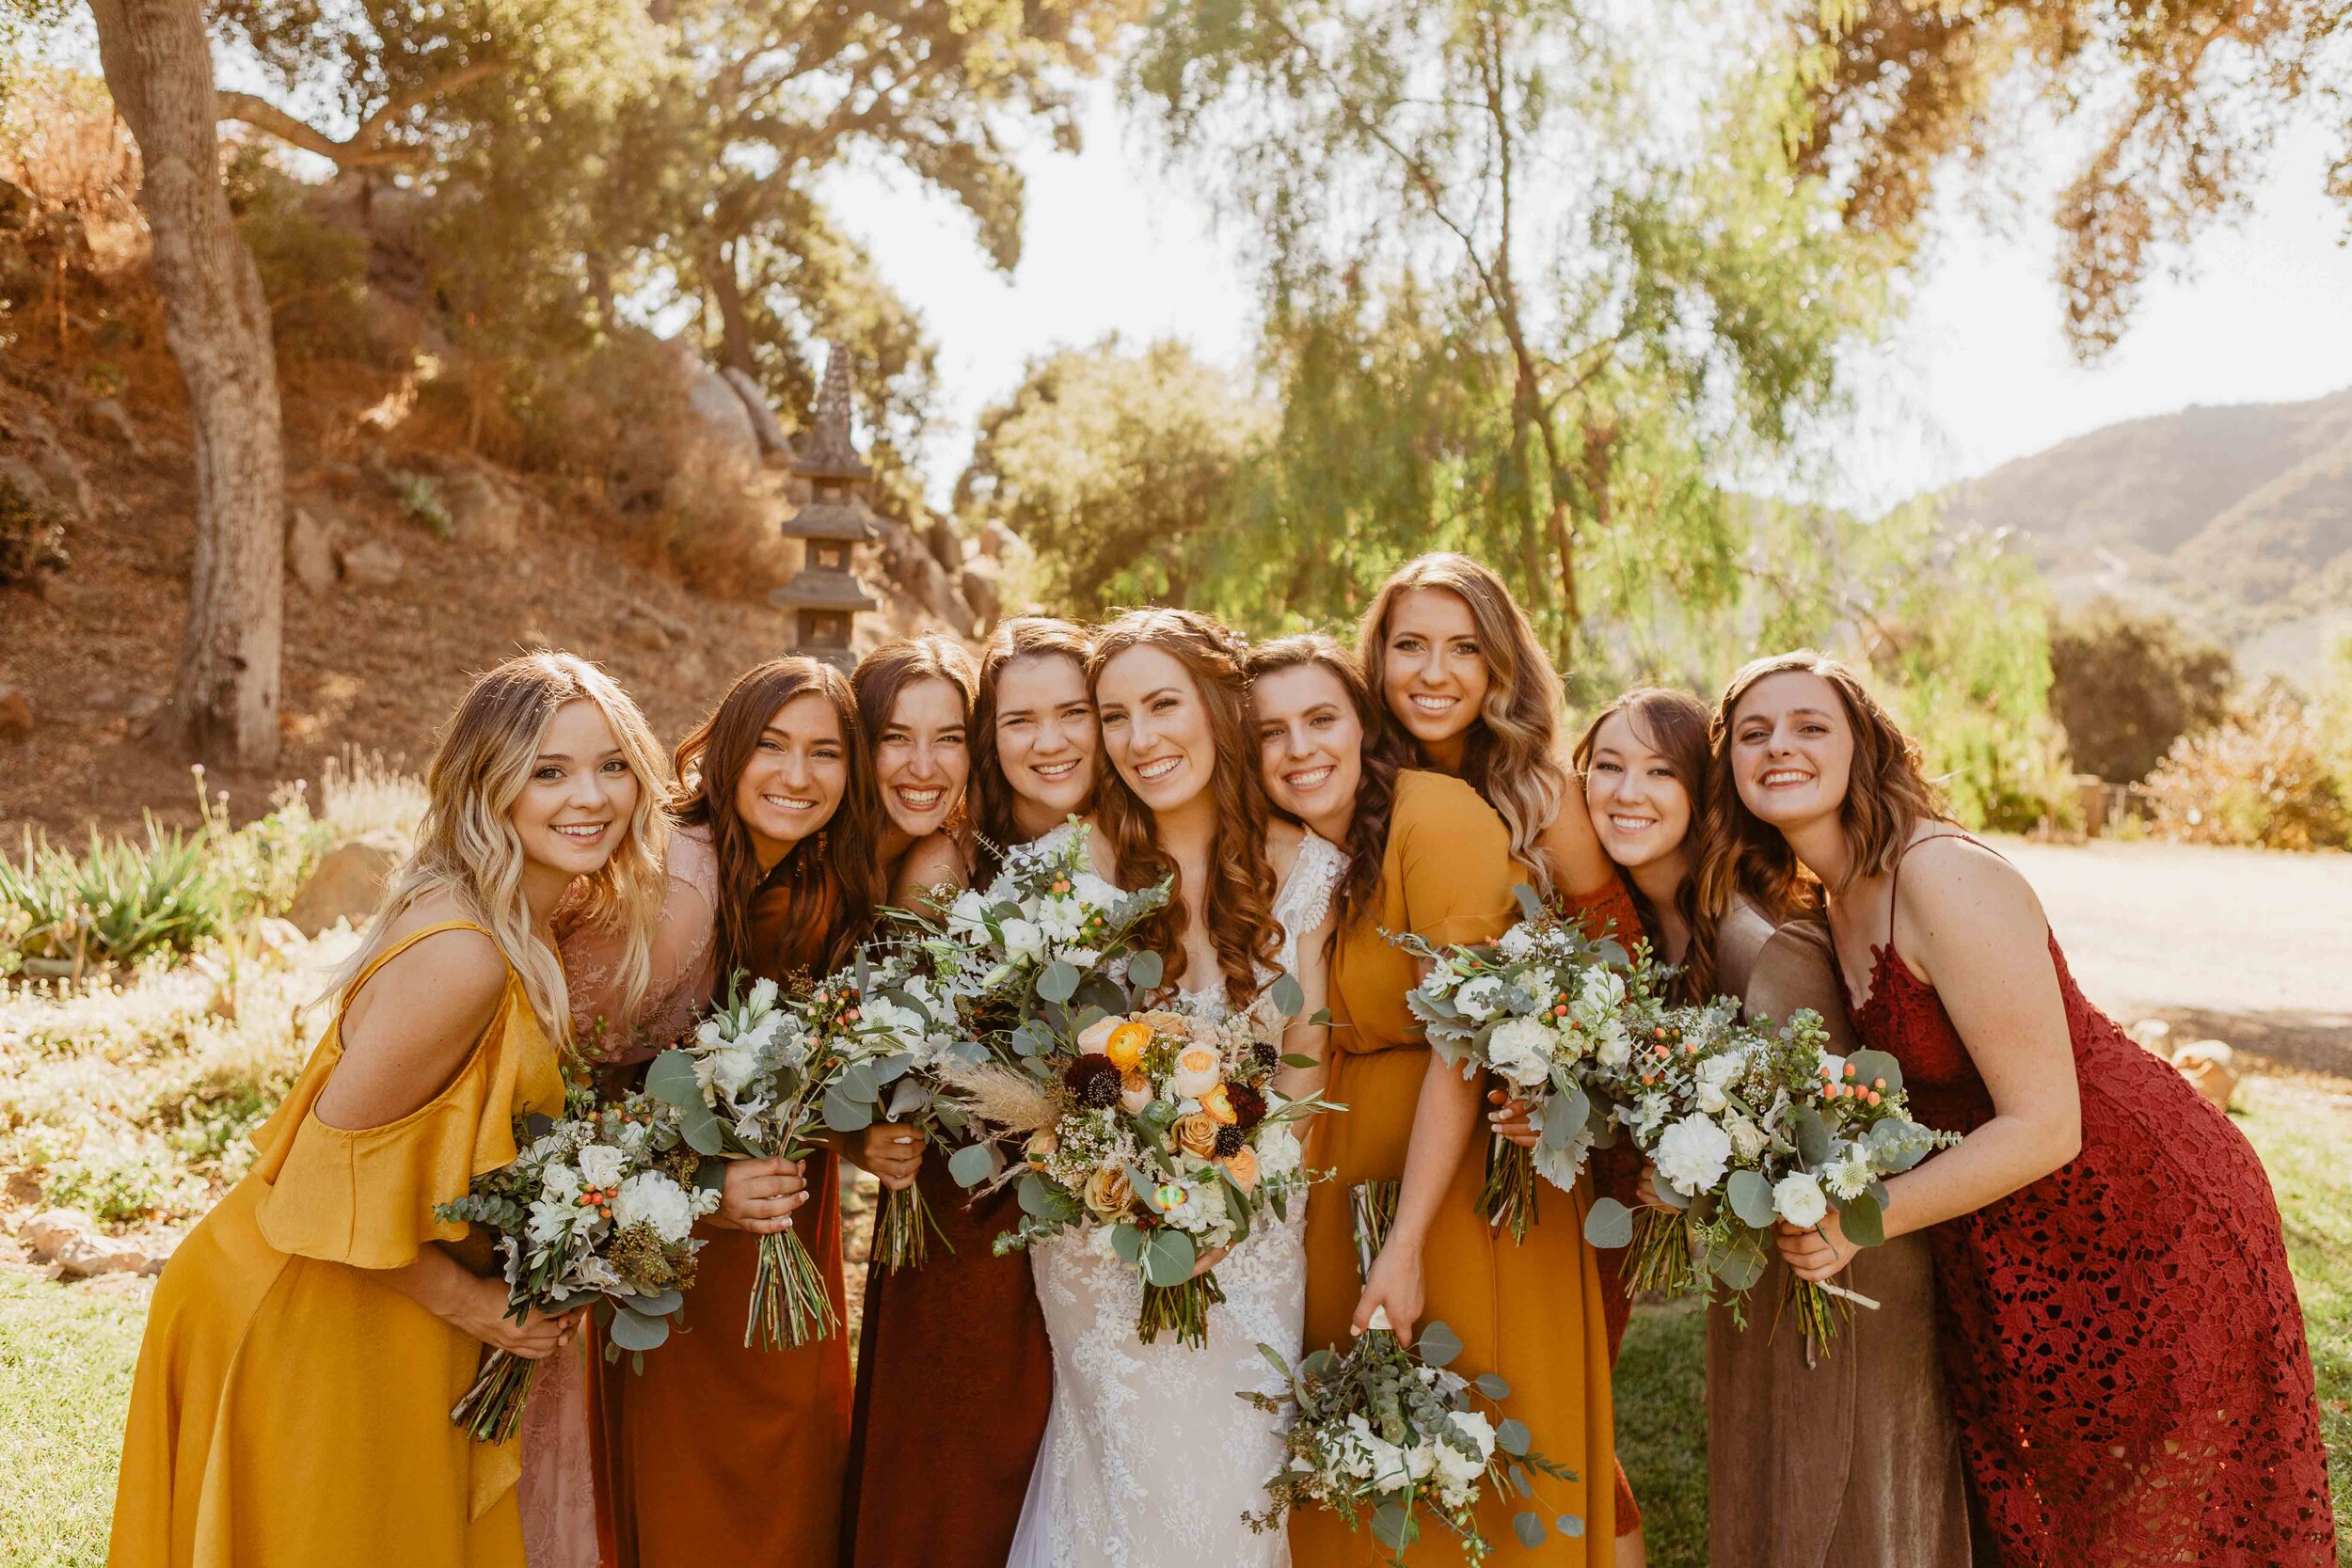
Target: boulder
x=764, y=425
x=372, y=563
x=311, y=552
x=2153, y=1034
x=483, y=509
x=637, y=629
x=347, y=884
x=16, y=714
x=68, y=487
x=2210, y=1068
x=997, y=541
x=944, y=543
x=71, y=1243
x=983, y=592
x=108, y=419
x=723, y=423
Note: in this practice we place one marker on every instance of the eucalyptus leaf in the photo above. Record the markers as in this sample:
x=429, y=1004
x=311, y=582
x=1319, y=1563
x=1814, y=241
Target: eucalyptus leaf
x=1859, y=1218
x=1565, y=1117
x=1059, y=982
x=1393, y=1526
x=634, y=1331
x=1531, y=903
x=1871, y=1066
x=671, y=1080
x=698, y=1124
x=857, y=1081
x=1813, y=1139
x=1572, y=1526
x=659, y=1305
x=1609, y=1224
x=1144, y=970
x=1290, y=997
x=844, y=1115
x=1752, y=1199
x=972, y=1165
x=1741, y=1265
x=1438, y=1343
x=1529, y=1526
x=1127, y=1241
x=1294, y=1059
x=1167, y=1258
x=1512, y=1438
x=1493, y=1385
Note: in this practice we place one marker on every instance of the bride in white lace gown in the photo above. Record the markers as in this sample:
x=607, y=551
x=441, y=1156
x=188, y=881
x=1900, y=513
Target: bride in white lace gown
x=1149, y=1457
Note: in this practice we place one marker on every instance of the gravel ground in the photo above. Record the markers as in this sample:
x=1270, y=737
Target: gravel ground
x=2244, y=945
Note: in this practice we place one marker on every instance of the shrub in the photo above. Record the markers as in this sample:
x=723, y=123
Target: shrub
x=32, y=534
x=2258, y=779
x=2127, y=685
x=420, y=501
x=114, y=905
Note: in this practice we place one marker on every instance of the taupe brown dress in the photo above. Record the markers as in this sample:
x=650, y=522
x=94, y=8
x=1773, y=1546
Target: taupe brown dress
x=1854, y=1462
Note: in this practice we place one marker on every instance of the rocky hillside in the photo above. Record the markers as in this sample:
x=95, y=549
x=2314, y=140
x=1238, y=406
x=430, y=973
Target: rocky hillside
x=2237, y=518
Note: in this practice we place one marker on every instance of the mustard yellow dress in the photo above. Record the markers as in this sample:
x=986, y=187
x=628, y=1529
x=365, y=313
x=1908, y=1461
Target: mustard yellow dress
x=1531, y=1311
x=291, y=1410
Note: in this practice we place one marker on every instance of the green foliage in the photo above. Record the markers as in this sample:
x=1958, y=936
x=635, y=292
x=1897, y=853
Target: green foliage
x=1532, y=287
x=32, y=536
x=66, y=1353
x=2127, y=685
x=1124, y=471
x=113, y=905
x=420, y=503
x=315, y=271
x=2259, y=777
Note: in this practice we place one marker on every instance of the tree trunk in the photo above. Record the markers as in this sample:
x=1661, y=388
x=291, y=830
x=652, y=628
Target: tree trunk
x=735, y=326
x=159, y=68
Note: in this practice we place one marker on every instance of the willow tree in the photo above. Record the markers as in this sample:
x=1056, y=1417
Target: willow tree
x=2182, y=103
x=1538, y=279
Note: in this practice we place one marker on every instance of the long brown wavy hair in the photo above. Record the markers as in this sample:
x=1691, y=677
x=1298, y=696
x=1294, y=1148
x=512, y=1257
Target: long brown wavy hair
x=890, y=669
x=1238, y=904
x=1888, y=795
x=1511, y=752
x=1383, y=758
x=825, y=890
x=1675, y=725
x=991, y=794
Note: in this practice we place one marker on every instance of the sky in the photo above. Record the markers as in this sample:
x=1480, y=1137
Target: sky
x=1976, y=374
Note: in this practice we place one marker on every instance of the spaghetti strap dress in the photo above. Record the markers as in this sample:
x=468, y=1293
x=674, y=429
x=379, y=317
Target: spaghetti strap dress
x=290, y=1407
x=2122, y=1338
x=1531, y=1311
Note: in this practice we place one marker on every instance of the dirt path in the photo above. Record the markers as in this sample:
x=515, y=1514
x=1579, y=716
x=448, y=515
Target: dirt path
x=2244, y=945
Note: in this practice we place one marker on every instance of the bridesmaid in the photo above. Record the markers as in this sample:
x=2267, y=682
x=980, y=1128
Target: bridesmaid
x=1461, y=675
x=1034, y=737
x=1866, y=1438
x=307, y=1342
x=722, y=1453
x=1425, y=855
x=956, y=1346
x=2119, y=1331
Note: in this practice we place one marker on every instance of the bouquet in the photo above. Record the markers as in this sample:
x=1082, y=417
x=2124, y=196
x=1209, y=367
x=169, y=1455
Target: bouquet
x=1551, y=1013
x=1747, y=1125
x=1157, y=1132
x=598, y=1206
x=909, y=1013
x=751, y=1081
x=1392, y=1431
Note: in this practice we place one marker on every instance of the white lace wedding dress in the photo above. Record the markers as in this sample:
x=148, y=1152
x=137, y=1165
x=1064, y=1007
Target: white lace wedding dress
x=1150, y=1460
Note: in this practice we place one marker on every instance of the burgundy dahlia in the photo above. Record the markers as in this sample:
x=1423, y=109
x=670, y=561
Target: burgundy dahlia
x=1095, y=1078
x=1248, y=1103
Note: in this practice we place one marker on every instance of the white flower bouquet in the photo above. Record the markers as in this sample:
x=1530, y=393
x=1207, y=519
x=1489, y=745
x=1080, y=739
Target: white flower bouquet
x=1158, y=1132
x=1746, y=1126
x=599, y=1205
x=1552, y=1014
x=752, y=1080
x=909, y=1011
x=1393, y=1433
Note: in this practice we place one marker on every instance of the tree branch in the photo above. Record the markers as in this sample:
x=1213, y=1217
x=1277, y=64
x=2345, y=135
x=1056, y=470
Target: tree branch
x=365, y=150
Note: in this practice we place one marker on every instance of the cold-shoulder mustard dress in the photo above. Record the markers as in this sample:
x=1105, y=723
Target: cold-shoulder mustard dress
x=292, y=1409
x=1531, y=1311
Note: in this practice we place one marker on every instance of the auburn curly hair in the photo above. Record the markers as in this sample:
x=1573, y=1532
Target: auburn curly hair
x=1237, y=906
x=1888, y=794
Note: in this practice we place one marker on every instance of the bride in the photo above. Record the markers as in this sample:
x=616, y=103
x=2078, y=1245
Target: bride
x=1149, y=1457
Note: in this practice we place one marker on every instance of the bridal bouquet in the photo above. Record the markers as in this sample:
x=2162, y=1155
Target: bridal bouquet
x=1157, y=1132
x=911, y=1011
x=1747, y=1125
x=752, y=1080
x=1552, y=1014
x=1394, y=1432
x=599, y=1205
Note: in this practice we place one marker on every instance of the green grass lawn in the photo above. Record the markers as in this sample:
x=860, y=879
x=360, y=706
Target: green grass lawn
x=66, y=1354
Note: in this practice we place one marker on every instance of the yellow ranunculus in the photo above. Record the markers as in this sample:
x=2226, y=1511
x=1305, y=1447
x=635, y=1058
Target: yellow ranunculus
x=1126, y=1044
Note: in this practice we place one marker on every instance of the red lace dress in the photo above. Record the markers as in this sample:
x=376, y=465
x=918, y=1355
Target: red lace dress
x=2122, y=1338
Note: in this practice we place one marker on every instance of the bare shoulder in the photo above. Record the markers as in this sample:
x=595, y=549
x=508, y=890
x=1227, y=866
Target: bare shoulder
x=935, y=863
x=1952, y=886
x=445, y=984
x=1283, y=840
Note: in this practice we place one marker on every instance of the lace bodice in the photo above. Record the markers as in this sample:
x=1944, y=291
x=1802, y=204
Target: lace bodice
x=1149, y=1455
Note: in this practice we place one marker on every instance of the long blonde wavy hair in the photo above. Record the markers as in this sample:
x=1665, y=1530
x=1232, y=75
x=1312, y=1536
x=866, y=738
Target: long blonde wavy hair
x=466, y=846
x=1511, y=754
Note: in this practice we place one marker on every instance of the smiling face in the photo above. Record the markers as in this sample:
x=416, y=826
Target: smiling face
x=1047, y=734
x=1640, y=807
x=1310, y=744
x=574, y=807
x=798, y=772
x=1433, y=665
x=921, y=758
x=1155, y=727
x=1792, y=749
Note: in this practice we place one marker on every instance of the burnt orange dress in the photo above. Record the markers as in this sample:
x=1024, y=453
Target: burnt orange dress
x=726, y=1455
x=1531, y=1311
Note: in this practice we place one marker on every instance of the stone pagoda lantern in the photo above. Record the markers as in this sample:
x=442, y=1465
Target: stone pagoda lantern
x=823, y=597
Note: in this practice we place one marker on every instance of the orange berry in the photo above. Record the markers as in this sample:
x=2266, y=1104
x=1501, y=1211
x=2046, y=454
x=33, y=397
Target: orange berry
x=1878, y=1083
x=1850, y=1070
x=1874, y=1096
x=1560, y=1012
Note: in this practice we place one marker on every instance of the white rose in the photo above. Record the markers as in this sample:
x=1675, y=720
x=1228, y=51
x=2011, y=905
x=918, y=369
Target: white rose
x=726, y=1070
x=652, y=1198
x=1747, y=1138
x=1691, y=1155
x=1481, y=997
x=1521, y=1050
x=1459, y=1472
x=1798, y=1199
x=1024, y=941
x=601, y=1165
x=559, y=1182
x=1616, y=1045
x=1517, y=943
x=763, y=997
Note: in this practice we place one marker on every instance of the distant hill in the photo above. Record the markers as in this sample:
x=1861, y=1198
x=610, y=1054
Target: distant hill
x=2238, y=519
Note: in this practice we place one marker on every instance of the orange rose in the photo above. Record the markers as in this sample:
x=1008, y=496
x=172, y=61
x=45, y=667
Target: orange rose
x=1127, y=1044
x=1241, y=1166
x=1215, y=1103
x=1195, y=1134
x=1108, y=1192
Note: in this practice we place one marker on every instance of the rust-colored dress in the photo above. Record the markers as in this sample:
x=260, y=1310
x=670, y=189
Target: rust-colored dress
x=1532, y=1311
x=955, y=1380
x=1854, y=1462
x=726, y=1455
